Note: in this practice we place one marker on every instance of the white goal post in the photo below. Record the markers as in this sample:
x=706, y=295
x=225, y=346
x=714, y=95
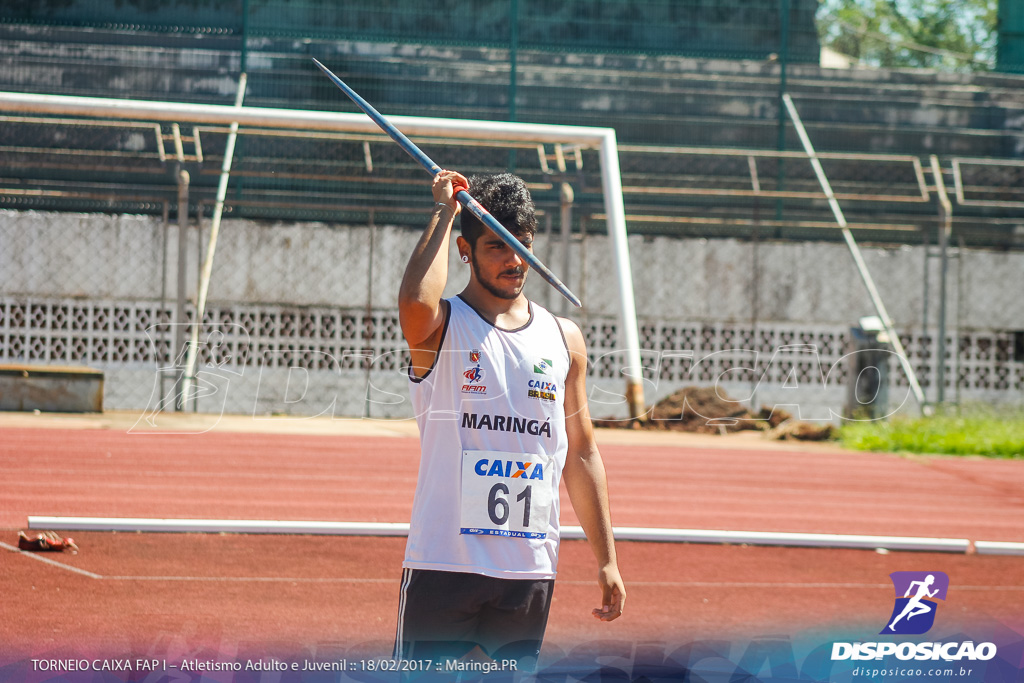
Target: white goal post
x=601, y=139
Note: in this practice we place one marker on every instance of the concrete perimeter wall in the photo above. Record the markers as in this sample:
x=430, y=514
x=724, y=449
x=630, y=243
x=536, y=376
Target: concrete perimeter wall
x=99, y=290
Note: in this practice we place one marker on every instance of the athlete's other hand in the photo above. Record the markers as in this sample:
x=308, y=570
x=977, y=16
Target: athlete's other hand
x=446, y=185
x=613, y=594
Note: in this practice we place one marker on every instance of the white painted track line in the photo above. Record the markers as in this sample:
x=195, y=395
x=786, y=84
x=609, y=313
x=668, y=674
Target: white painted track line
x=48, y=561
x=764, y=538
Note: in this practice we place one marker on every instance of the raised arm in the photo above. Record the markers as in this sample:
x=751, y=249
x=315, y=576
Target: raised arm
x=585, y=479
x=420, y=311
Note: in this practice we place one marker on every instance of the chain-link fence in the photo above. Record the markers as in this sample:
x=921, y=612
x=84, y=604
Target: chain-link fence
x=318, y=224
x=663, y=74
x=571, y=61
x=317, y=295
x=728, y=28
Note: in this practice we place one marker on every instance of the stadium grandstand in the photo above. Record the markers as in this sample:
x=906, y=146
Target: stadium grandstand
x=709, y=161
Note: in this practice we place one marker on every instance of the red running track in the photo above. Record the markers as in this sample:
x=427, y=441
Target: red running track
x=147, y=592
x=370, y=479
x=213, y=595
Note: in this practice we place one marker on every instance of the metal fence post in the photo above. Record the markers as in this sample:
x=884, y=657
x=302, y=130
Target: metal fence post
x=180, y=316
x=513, y=58
x=781, y=128
x=945, y=228
x=368, y=325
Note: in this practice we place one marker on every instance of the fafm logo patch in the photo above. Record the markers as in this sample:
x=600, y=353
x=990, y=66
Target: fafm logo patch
x=916, y=595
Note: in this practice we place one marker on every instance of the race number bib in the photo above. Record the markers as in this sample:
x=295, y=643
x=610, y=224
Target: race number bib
x=506, y=494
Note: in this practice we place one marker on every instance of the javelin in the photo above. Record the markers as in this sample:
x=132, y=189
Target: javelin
x=464, y=197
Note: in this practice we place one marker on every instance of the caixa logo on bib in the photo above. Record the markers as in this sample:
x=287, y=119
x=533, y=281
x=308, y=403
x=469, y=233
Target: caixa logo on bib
x=916, y=595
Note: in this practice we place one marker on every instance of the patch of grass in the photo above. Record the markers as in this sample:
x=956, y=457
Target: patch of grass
x=970, y=431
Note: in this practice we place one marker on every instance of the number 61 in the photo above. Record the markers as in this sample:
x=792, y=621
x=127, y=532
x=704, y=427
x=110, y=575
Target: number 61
x=496, y=501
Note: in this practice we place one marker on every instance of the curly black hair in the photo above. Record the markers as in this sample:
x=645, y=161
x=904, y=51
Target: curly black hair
x=505, y=196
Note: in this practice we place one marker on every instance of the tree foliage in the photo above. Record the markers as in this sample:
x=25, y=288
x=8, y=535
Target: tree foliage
x=936, y=34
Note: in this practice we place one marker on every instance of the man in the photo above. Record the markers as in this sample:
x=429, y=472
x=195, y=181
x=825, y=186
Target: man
x=499, y=388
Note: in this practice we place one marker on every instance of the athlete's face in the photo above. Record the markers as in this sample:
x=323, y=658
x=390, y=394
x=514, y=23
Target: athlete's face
x=497, y=267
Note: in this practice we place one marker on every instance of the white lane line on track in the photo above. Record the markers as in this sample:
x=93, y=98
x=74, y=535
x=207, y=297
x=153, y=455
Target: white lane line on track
x=47, y=560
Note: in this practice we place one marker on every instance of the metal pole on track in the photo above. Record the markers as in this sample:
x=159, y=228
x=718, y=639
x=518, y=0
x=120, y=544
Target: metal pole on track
x=204, y=282
x=858, y=258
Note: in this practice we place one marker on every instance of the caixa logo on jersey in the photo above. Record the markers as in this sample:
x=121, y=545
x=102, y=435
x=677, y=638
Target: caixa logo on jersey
x=509, y=469
x=545, y=391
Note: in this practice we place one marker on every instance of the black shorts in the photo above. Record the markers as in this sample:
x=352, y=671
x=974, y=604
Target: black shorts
x=443, y=615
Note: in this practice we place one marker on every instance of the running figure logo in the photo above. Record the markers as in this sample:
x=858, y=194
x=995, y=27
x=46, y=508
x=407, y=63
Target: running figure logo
x=914, y=612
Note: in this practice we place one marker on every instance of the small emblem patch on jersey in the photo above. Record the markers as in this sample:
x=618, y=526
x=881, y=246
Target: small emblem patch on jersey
x=543, y=391
x=543, y=366
x=474, y=378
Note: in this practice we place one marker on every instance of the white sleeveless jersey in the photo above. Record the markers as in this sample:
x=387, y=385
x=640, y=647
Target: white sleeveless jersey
x=492, y=432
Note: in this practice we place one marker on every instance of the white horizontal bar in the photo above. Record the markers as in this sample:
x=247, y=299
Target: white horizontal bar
x=239, y=526
x=956, y=545
x=111, y=108
x=767, y=538
x=998, y=548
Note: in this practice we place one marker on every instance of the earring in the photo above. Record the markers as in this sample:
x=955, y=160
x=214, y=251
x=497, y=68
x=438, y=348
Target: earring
x=465, y=259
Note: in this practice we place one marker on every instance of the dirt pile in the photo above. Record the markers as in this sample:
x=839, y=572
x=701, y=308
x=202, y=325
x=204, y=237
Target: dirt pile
x=701, y=410
x=706, y=410
x=800, y=431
